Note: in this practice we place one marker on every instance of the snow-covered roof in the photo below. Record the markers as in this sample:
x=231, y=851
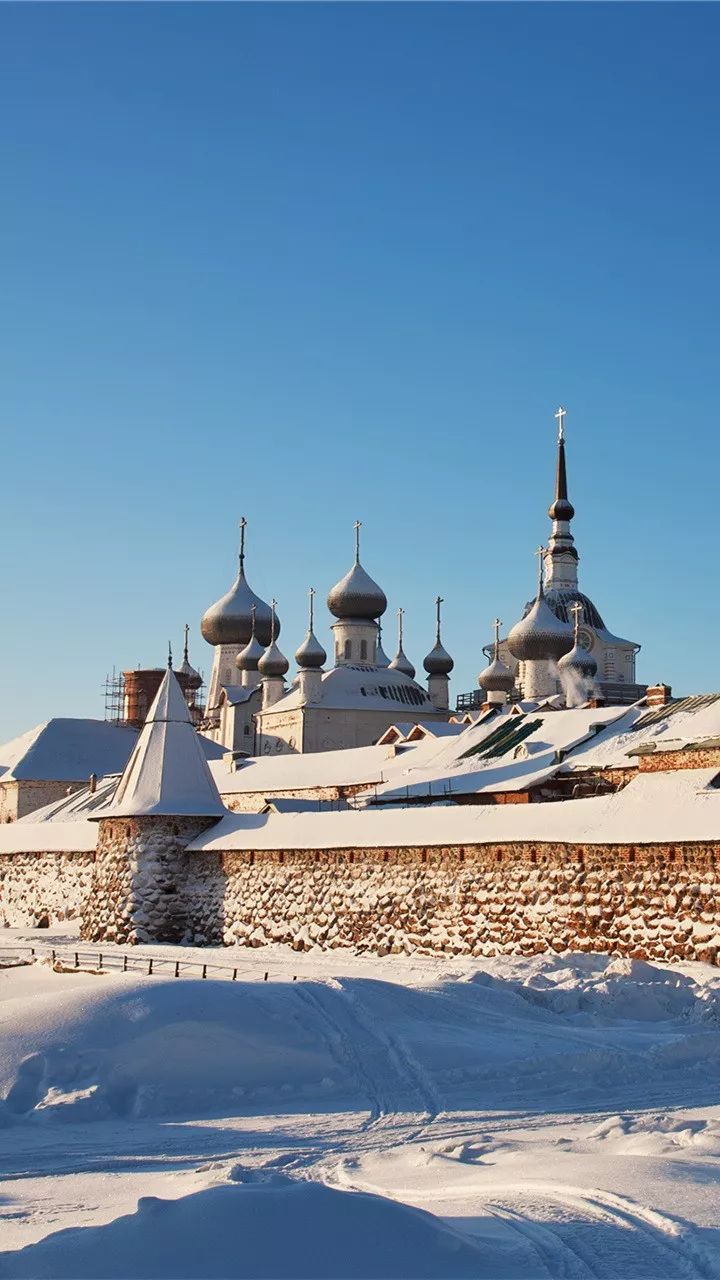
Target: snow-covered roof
x=167, y=772
x=66, y=750
x=655, y=808
x=236, y=694
x=267, y=775
x=48, y=837
x=366, y=688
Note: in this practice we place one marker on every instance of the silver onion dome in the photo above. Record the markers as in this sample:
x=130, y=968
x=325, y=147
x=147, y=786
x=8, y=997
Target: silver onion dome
x=496, y=677
x=229, y=620
x=402, y=663
x=381, y=658
x=193, y=679
x=357, y=595
x=578, y=659
x=310, y=656
x=540, y=634
x=248, y=658
x=438, y=661
x=273, y=662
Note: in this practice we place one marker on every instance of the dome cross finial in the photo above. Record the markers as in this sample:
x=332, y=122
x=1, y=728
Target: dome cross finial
x=438, y=601
x=561, y=415
x=497, y=623
x=578, y=613
x=540, y=553
x=357, y=527
x=311, y=607
x=169, y=655
x=400, y=616
x=185, y=650
x=243, y=527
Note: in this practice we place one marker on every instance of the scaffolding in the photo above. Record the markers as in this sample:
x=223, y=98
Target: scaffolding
x=114, y=693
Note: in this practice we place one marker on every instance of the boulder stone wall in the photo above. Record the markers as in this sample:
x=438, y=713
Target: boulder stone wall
x=652, y=902
x=146, y=888
x=40, y=889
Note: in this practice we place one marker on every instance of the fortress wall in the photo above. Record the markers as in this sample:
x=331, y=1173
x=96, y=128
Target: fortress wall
x=656, y=902
x=43, y=888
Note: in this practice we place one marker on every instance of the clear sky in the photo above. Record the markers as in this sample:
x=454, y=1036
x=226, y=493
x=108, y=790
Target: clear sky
x=318, y=263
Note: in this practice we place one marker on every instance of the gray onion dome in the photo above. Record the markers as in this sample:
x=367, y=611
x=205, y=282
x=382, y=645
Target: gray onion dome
x=402, y=663
x=438, y=662
x=357, y=596
x=311, y=655
x=248, y=658
x=193, y=679
x=273, y=662
x=540, y=634
x=229, y=620
x=381, y=658
x=578, y=659
x=496, y=677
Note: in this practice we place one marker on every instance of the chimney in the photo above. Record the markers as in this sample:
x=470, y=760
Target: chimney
x=93, y=783
x=658, y=695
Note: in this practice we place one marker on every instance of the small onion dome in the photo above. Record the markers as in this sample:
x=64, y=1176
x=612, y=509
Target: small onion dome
x=497, y=677
x=311, y=655
x=357, y=596
x=540, y=634
x=249, y=657
x=578, y=659
x=193, y=679
x=402, y=663
x=381, y=658
x=273, y=662
x=438, y=662
x=229, y=620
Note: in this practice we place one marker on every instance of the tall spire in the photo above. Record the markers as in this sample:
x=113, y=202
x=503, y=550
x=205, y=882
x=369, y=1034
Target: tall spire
x=561, y=557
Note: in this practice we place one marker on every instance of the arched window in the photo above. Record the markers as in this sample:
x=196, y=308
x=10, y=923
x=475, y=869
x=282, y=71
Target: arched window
x=363, y=649
x=348, y=649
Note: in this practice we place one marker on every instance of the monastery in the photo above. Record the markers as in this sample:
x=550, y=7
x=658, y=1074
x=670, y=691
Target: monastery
x=562, y=806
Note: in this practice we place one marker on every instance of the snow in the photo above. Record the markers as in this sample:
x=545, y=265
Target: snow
x=406, y=1116
x=168, y=771
x=350, y=687
x=652, y=808
x=67, y=750
x=352, y=767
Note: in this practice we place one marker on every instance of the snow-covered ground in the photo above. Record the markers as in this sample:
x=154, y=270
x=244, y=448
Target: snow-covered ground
x=556, y=1116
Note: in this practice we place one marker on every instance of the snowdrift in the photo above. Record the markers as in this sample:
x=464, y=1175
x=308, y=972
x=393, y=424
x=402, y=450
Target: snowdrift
x=268, y=1230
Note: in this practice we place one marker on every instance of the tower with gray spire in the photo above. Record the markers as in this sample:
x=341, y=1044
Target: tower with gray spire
x=438, y=664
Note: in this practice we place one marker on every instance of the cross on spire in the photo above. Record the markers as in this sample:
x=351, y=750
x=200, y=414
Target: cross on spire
x=357, y=527
x=400, y=615
x=561, y=415
x=273, y=607
x=540, y=553
x=243, y=526
x=185, y=651
x=169, y=655
x=438, y=601
x=497, y=623
x=578, y=613
x=311, y=606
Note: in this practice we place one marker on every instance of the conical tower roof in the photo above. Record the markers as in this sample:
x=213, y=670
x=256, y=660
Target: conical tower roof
x=167, y=773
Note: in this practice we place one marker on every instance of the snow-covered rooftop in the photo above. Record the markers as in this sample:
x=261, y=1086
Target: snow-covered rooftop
x=363, y=688
x=66, y=750
x=167, y=772
x=267, y=775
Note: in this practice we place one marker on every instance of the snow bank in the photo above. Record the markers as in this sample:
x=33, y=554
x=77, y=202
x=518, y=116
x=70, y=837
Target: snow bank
x=273, y=1229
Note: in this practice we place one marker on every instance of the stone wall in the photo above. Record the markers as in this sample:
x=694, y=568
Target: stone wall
x=43, y=888
x=662, y=761
x=145, y=888
x=658, y=902
x=20, y=798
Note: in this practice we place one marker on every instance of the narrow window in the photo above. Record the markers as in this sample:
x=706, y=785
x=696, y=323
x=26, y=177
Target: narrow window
x=363, y=649
x=348, y=649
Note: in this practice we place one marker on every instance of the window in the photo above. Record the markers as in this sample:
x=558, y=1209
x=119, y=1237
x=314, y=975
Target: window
x=363, y=650
x=348, y=649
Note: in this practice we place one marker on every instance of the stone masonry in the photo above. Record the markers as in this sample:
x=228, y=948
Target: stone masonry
x=145, y=888
x=656, y=902
x=40, y=889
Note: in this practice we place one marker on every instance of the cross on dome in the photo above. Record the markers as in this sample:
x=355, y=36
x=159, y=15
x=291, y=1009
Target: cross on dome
x=561, y=415
x=357, y=527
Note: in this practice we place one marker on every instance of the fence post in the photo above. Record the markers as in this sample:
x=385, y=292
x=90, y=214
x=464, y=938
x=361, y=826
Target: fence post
x=266, y=977
x=53, y=955
x=100, y=961
x=234, y=977
x=294, y=977
x=77, y=962
x=150, y=964
x=177, y=968
x=204, y=972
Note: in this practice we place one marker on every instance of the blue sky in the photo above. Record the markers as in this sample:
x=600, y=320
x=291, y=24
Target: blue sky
x=318, y=263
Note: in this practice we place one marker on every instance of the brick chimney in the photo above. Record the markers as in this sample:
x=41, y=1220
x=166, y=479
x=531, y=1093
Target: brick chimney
x=658, y=695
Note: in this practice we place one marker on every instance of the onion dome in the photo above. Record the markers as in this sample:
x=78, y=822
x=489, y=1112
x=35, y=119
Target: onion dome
x=381, y=658
x=579, y=658
x=356, y=595
x=229, y=620
x=540, y=634
x=561, y=508
x=248, y=658
x=401, y=662
x=438, y=661
x=193, y=679
x=273, y=663
x=310, y=656
x=497, y=676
